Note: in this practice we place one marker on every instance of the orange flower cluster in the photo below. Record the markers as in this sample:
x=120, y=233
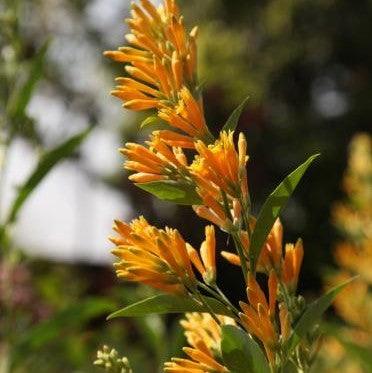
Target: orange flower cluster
x=161, y=66
x=161, y=258
x=221, y=168
x=203, y=334
x=157, y=162
x=152, y=256
x=161, y=63
x=258, y=316
x=353, y=255
x=286, y=265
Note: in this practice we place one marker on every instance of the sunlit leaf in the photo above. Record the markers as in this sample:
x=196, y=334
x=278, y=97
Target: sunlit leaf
x=162, y=304
x=272, y=208
x=44, y=166
x=172, y=191
x=312, y=314
x=233, y=120
x=241, y=354
x=154, y=122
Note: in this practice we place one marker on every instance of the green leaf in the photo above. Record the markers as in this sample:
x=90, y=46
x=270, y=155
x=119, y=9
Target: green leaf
x=154, y=121
x=272, y=208
x=70, y=319
x=21, y=96
x=162, y=304
x=45, y=164
x=178, y=192
x=233, y=120
x=241, y=353
x=312, y=314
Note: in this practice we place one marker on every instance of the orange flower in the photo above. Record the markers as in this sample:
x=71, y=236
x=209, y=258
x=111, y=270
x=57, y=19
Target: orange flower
x=152, y=256
x=218, y=169
x=203, y=334
x=187, y=115
x=292, y=264
x=258, y=316
x=222, y=166
x=207, y=265
x=157, y=162
x=162, y=68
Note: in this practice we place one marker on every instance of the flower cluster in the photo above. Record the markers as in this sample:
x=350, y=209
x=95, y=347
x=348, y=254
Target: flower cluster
x=353, y=254
x=161, y=67
x=211, y=175
x=203, y=334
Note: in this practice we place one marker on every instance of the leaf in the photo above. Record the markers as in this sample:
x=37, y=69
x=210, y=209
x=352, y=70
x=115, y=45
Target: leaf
x=21, y=96
x=45, y=164
x=241, y=353
x=154, y=121
x=272, y=208
x=172, y=191
x=72, y=318
x=161, y=304
x=233, y=120
x=312, y=314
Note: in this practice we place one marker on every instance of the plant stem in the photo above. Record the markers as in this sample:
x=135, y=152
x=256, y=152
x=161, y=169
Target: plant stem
x=217, y=293
x=240, y=250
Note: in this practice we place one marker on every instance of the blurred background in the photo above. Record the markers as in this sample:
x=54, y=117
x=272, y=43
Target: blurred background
x=306, y=66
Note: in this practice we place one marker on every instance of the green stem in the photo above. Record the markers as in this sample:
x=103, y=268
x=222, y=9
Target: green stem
x=220, y=296
x=240, y=251
x=198, y=296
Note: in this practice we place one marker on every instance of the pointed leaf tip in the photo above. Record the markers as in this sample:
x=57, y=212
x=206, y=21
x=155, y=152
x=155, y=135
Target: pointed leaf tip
x=272, y=207
x=233, y=120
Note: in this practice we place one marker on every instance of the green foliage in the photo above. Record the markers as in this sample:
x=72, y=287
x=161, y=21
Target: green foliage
x=233, y=120
x=73, y=316
x=271, y=209
x=178, y=192
x=162, y=304
x=241, y=353
x=311, y=316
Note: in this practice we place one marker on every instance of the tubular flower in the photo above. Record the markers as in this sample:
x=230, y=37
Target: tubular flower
x=161, y=64
x=203, y=334
x=157, y=162
x=292, y=264
x=207, y=265
x=257, y=316
x=222, y=166
x=221, y=179
x=152, y=256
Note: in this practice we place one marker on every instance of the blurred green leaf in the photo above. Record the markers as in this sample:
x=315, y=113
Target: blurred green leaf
x=75, y=316
x=233, y=120
x=241, y=353
x=172, y=191
x=21, y=96
x=45, y=164
x=312, y=314
x=272, y=208
x=162, y=304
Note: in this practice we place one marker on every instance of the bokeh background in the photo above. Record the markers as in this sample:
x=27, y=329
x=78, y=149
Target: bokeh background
x=306, y=66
